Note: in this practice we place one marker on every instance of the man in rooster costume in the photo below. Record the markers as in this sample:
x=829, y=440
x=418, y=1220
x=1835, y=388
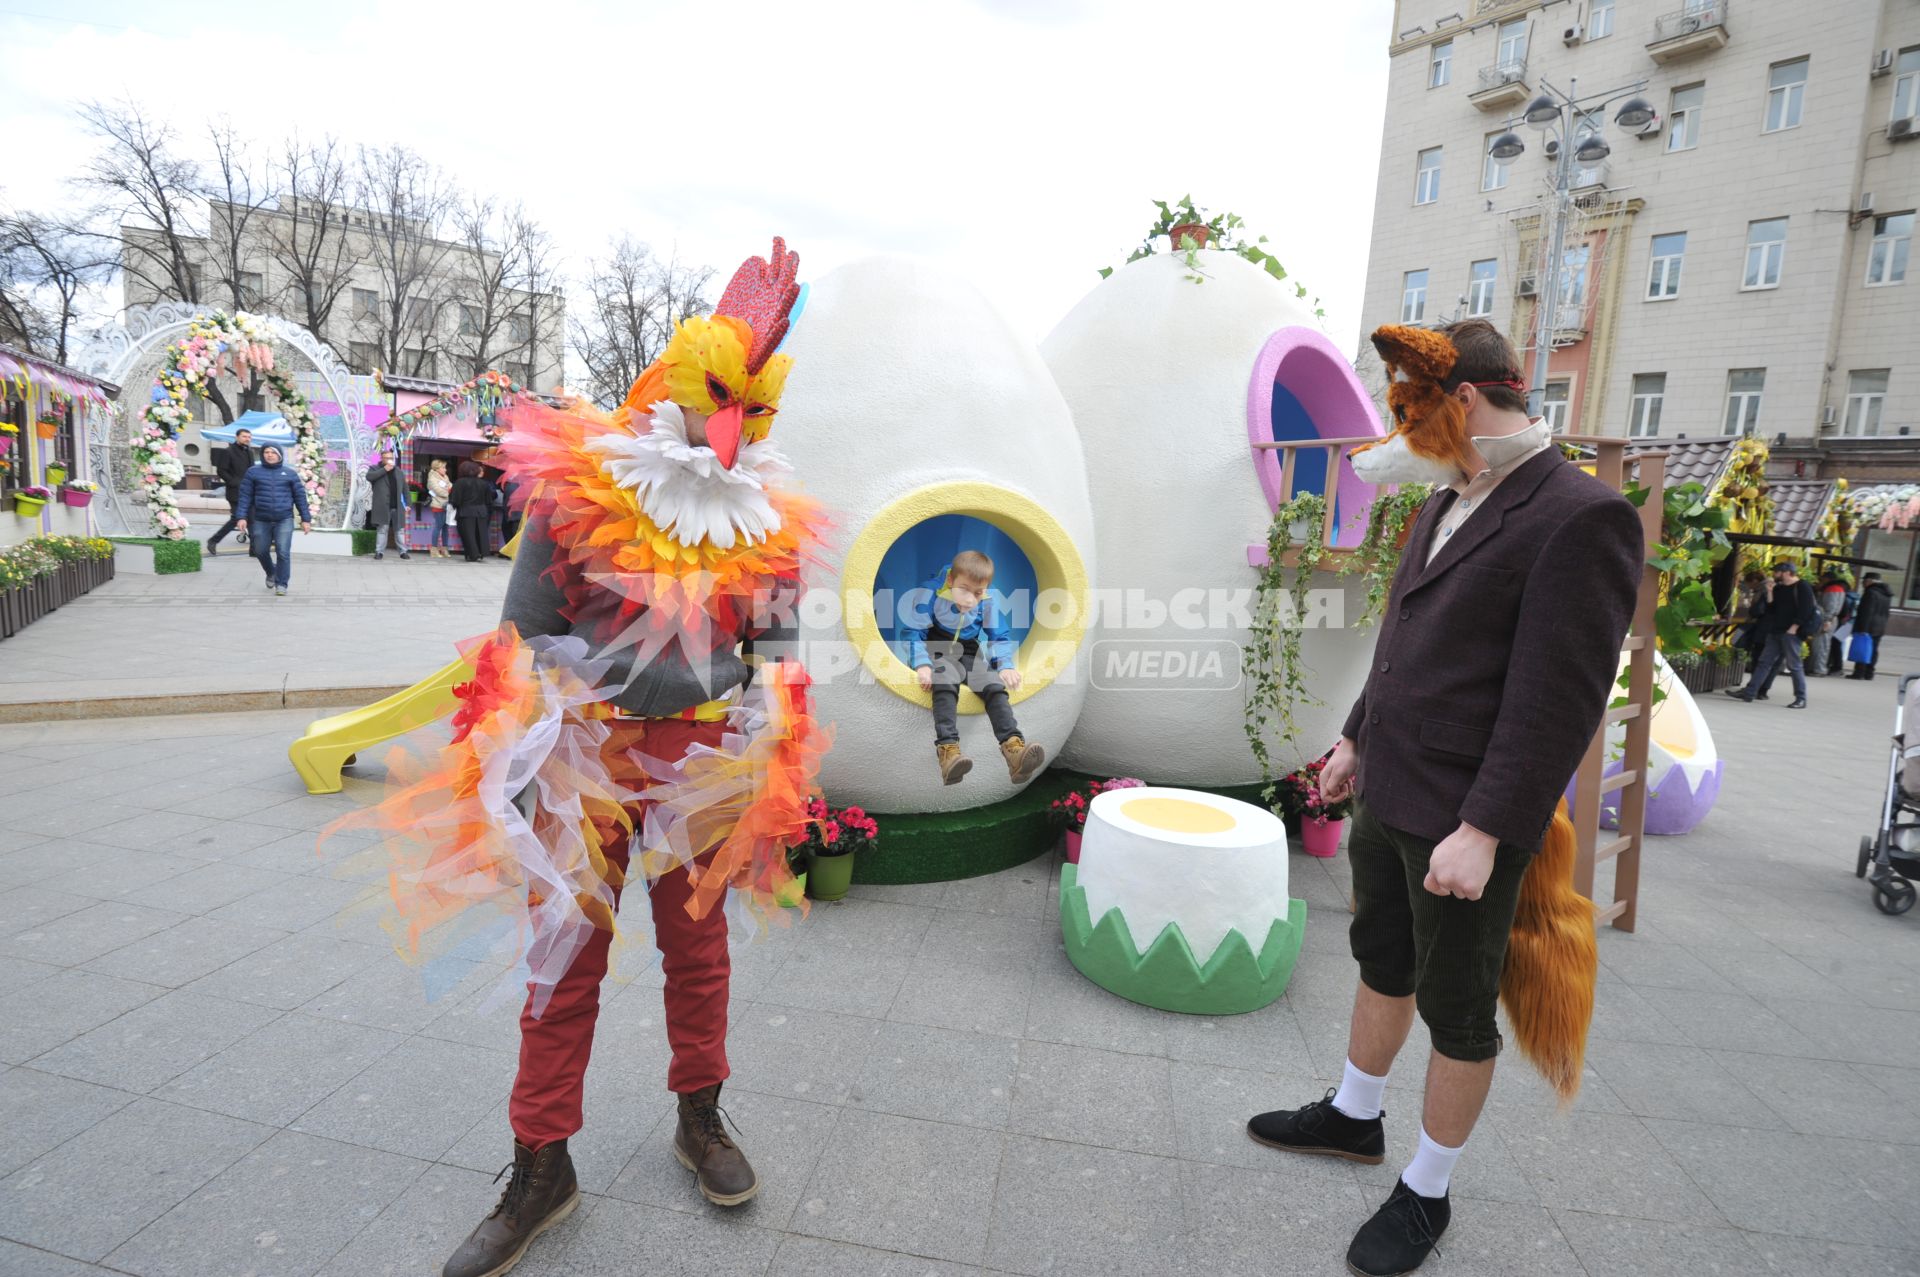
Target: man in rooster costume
x=1494, y=665
x=616, y=734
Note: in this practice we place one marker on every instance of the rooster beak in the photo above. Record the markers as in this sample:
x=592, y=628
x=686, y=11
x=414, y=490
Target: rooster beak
x=723, y=433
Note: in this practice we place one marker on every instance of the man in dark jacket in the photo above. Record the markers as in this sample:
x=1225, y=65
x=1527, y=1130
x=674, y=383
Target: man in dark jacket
x=231, y=467
x=269, y=494
x=1792, y=617
x=1494, y=665
x=1870, y=619
x=389, y=508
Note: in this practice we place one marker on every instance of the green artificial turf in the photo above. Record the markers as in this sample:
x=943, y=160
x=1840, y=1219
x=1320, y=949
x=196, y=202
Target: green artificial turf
x=169, y=557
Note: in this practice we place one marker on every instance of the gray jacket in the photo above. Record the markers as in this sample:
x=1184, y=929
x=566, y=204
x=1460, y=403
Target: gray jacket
x=659, y=673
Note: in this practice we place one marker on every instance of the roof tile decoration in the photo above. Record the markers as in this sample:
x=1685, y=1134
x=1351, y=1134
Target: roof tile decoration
x=1700, y=461
x=1800, y=506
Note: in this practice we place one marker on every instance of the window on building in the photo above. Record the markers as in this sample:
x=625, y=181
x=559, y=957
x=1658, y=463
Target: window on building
x=1440, y=69
x=1683, y=117
x=1553, y=406
x=421, y=363
x=1413, y=297
x=1906, y=85
x=1600, y=19
x=521, y=372
x=1786, y=94
x=1589, y=126
x=253, y=289
x=1480, y=282
x=1513, y=42
x=1573, y=276
x=14, y=473
x=469, y=321
x=1426, y=181
x=1866, y=397
x=1744, y=388
x=365, y=356
x=366, y=304
x=1649, y=396
x=1494, y=171
x=1766, y=250
x=421, y=314
x=519, y=329
x=1892, y=243
x=1669, y=253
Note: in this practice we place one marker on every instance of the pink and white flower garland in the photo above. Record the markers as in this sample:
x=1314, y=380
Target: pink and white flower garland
x=216, y=344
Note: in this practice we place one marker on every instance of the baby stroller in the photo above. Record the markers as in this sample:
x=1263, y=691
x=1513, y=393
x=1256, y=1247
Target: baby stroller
x=1893, y=854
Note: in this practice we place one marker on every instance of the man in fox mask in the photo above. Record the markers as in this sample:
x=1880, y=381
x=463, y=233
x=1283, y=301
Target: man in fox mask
x=1494, y=664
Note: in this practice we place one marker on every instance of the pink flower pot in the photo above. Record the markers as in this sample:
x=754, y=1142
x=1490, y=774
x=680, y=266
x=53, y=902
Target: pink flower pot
x=1073, y=847
x=69, y=497
x=1321, y=837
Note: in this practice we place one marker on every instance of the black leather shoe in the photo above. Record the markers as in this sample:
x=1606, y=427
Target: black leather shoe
x=1401, y=1234
x=1740, y=694
x=1322, y=1129
x=1798, y=704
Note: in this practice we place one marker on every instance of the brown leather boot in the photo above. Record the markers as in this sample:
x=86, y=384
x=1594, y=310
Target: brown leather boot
x=1023, y=760
x=542, y=1192
x=953, y=763
x=703, y=1147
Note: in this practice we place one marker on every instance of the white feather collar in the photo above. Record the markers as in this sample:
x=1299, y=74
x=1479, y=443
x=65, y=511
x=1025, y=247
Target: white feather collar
x=685, y=490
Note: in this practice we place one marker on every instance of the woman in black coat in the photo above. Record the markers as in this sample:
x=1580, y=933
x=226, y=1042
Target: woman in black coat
x=471, y=501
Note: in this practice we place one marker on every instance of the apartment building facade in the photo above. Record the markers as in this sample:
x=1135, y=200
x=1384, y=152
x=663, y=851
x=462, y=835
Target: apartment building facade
x=453, y=312
x=1741, y=263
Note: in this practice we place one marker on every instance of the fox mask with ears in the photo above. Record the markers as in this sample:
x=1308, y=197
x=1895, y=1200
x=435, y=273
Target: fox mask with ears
x=1429, y=441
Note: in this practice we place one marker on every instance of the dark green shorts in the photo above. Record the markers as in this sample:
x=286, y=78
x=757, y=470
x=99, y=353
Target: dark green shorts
x=1444, y=952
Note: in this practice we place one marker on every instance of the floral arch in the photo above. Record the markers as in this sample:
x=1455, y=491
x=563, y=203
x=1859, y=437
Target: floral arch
x=166, y=352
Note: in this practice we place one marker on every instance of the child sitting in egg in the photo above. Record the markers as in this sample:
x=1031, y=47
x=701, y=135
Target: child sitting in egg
x=944, y=641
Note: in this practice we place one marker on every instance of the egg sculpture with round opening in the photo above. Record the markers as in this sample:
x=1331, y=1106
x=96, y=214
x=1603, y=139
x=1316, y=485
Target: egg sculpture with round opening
x=1172, y=384
x=927, y=425
x=1180, y=901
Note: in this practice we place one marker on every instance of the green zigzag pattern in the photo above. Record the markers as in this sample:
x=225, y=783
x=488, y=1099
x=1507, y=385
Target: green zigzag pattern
x=1233, y=981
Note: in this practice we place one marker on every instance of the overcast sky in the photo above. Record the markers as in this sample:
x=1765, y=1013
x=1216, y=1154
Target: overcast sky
x=1017, y=141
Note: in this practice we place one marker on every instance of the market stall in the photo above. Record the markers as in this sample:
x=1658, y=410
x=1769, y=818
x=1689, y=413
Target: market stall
x=46, y=411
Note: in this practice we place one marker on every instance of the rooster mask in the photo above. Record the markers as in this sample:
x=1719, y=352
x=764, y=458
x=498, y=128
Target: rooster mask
x=1429, y=441
x=690, y=441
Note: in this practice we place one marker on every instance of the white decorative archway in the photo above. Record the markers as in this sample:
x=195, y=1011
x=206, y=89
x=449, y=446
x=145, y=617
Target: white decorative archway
x=130, y=355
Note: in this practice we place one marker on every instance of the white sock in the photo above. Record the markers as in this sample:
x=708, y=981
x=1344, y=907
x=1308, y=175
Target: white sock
x=1360, y=1093
x=1431, y=1168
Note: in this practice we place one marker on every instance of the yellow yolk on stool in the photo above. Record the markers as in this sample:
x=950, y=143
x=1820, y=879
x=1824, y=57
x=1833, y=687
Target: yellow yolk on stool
x=1178, y=815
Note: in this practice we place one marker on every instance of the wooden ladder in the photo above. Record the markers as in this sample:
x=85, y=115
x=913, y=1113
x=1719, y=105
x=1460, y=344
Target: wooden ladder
x=1591, y=784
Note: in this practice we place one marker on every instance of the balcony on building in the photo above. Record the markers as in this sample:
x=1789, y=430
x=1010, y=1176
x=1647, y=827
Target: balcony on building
x=1699, y=28
x=1502, y=85
x=1570, y=322
x=1588, y=177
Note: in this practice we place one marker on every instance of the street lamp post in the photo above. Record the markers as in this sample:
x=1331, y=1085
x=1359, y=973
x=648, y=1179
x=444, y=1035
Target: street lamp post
x=1557, y=114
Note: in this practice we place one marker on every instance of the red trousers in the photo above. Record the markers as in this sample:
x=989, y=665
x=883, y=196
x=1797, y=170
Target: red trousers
x=555, y=1047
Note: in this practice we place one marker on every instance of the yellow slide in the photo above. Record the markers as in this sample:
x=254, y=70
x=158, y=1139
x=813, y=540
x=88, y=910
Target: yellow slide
x=331, y=742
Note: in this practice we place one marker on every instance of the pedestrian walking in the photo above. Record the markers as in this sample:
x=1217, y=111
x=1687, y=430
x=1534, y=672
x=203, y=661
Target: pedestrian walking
x=389, y=509
x=231, y=466
x=1791, y=618
x=270, y=494
x=1869, y=625
x=472, y=501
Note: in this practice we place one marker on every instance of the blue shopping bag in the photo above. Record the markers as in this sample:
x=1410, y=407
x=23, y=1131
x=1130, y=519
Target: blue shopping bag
x=1860, y=651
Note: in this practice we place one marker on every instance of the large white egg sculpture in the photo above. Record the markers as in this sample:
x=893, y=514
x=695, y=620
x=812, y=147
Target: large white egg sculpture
x=1684, y=769
x=927, y=425
x=1171, y=384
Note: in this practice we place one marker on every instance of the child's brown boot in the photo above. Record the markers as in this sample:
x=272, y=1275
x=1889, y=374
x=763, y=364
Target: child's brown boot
x=1023, y=760
x=953, y=763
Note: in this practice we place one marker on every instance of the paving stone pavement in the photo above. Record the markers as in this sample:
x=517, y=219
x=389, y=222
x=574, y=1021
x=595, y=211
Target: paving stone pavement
x=212, y=1064
x=346, y=622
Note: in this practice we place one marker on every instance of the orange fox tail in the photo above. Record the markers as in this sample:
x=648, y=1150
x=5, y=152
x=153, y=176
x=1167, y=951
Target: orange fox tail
x=1552, y=963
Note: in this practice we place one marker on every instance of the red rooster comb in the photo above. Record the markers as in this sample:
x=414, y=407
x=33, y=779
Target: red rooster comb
x=763, y=292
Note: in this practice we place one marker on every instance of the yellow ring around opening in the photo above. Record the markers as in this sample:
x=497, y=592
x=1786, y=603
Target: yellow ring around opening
x=1048, y=649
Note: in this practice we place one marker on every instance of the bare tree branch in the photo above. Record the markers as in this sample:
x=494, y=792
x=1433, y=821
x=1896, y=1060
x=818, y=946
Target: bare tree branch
x=142, y=183
x=405, y=199
x=633, y=303
x=311, y=243
x=45, y=267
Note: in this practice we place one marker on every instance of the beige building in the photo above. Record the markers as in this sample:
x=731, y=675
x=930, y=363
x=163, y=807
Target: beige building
x=1742, y=263
x=398, y=299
